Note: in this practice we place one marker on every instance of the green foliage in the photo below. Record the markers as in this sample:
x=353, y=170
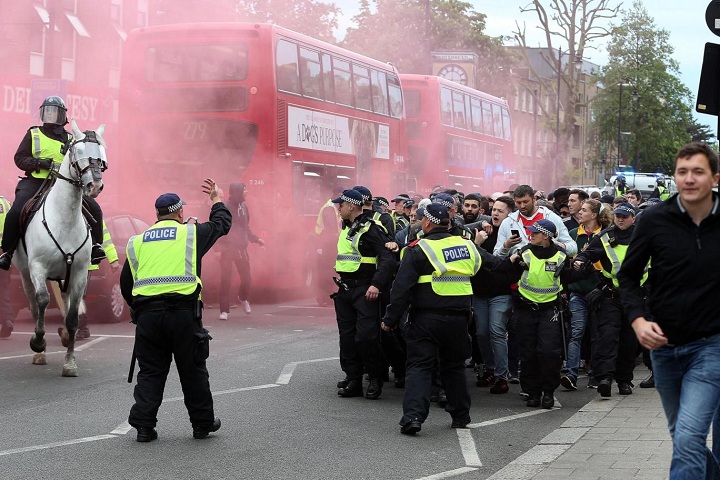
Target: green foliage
x=640, y=58
x=315, y=18
x=404, y=32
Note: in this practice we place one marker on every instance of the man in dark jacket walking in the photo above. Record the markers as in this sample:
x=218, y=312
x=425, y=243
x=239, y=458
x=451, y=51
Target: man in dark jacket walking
x=234, y=251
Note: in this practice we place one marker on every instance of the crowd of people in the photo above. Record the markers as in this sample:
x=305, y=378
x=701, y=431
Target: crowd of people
x=530, y=290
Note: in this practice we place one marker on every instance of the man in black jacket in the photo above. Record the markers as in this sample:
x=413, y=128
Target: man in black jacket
x=680, y=236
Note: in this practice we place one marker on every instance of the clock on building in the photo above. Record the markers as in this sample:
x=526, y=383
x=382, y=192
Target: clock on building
x=454, y=73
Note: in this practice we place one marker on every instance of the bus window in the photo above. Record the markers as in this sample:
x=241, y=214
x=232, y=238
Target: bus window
x=506, y=123
x=497, y=121
x=395, y=96
x=487, y=118
x=343, y=87
x=446, y=105
x=288, y=79
x=328, y=90
x=412, y=103
x=476, y=115
x=196, y=63
x=379, y=92
x=361, y=79
x=459, y=110
x=310, y=73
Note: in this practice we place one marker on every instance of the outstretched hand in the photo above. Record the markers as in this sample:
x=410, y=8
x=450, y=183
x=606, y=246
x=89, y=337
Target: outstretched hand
x=210, y=188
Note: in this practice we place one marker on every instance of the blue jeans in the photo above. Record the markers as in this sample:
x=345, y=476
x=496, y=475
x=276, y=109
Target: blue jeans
x=491, y=318
x=579, y=310
x=686, y=377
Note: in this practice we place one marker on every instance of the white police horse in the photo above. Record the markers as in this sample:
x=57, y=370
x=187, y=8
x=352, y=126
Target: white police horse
x=57, y=241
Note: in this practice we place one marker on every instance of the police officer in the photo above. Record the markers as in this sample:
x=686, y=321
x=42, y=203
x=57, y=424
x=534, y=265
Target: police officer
x=365, y=267
x=661, y=190
x=6, y=313
x=614, y=344
x=434, y=281
x=161, y=283
x=380, y=217
x=40, y=151
x=620, y=186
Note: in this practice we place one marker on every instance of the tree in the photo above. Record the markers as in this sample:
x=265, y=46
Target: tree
x=658, y=121
x=701, y=133
x=315, y=18
x=573, y=26
x=404, y=32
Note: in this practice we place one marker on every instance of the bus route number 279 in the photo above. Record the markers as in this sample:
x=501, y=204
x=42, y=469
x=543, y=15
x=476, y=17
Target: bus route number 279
x=194, y=131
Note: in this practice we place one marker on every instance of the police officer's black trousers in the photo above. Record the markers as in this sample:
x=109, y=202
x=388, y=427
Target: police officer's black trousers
x=431, y=337
x=359, y=327
x=540, y=341
x=160, y=335
x=614, y=344
x=25, y=190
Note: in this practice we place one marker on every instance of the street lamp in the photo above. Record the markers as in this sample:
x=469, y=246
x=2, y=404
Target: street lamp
x=619, y=132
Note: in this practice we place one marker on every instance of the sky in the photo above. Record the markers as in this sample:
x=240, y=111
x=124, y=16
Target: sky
x=685, y=20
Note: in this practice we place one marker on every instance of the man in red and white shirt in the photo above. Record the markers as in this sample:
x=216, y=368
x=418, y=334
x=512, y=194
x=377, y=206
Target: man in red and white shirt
x=513, y=233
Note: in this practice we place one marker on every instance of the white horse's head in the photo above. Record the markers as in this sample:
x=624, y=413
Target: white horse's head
x=87, y=159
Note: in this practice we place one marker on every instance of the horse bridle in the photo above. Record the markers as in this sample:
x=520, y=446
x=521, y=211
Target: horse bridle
x=95, y=165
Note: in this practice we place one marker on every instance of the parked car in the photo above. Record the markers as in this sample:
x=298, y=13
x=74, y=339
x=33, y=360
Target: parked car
x=103, y=299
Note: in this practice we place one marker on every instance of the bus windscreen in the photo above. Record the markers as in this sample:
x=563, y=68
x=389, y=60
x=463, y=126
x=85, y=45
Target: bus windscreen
x=196, y=63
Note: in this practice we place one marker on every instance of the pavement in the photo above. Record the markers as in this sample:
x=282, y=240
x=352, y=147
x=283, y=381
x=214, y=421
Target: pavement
x=614, y=438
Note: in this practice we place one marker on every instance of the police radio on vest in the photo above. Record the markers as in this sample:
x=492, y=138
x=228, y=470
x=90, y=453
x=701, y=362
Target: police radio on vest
x=167, y=233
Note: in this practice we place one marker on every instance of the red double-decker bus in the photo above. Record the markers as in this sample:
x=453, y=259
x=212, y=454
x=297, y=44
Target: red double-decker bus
x=457, y=137
x=288, y=115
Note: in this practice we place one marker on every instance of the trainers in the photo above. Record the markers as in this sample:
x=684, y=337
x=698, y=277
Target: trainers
x=647, y=383
x=6, y=260
x=223, y=316
x=625, y=388
x=592, y=382
x=500, y=386
x=146, y=434
x=513, y=378
x=203, y=432
x=245, y=306
x=569, y=382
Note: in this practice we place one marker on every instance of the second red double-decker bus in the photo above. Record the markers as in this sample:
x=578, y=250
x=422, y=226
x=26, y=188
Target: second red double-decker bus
x=457, y=137
x=288, y=115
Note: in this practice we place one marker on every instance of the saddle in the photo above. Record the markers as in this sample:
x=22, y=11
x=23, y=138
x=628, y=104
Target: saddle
x=33, y=205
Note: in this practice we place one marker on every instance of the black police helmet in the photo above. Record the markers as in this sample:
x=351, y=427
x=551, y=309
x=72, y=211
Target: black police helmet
x=53, y=110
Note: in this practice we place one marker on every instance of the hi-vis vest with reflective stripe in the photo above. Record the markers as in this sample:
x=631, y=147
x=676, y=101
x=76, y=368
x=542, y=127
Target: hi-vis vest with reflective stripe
x=45, y=147
x=320, y=224
x=616, y=255
x=664, y=193
x=376, y=219
x=348, y=257
x=108, y=246
x=455, y=260
x=4, y=207
x=540, y=283
x=163, y=259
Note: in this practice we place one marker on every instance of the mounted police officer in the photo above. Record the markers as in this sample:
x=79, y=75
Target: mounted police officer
x=161, y=283
x=41, y=151
x=365, y=267
x=434, y=281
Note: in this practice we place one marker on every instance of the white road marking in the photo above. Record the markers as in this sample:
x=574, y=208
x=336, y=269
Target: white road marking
x=55, y=444
x=289, y=369
x=15, y=332
x=495, y=421
x=90, y=344
x=29, y=355
x=467, y=446
x=449, y=473
x=122, y=429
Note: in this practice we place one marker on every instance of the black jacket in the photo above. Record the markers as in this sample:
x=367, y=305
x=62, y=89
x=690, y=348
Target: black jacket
x=207, y=234
x=24, y=156
x=684, y=274
x=596, y=252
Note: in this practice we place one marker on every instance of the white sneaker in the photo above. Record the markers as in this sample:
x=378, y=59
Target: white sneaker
x=223, y=315
x=245, y=306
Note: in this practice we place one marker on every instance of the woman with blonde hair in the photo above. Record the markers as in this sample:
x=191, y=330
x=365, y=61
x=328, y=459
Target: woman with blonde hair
x=594, y=217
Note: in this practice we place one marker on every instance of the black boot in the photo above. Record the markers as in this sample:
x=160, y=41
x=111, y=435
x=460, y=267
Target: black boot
x=6, y=260
x=97, y=255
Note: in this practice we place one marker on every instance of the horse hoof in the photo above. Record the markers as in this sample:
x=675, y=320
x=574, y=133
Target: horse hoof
x=69, y=371
x=39, y=359
x=37, y=347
